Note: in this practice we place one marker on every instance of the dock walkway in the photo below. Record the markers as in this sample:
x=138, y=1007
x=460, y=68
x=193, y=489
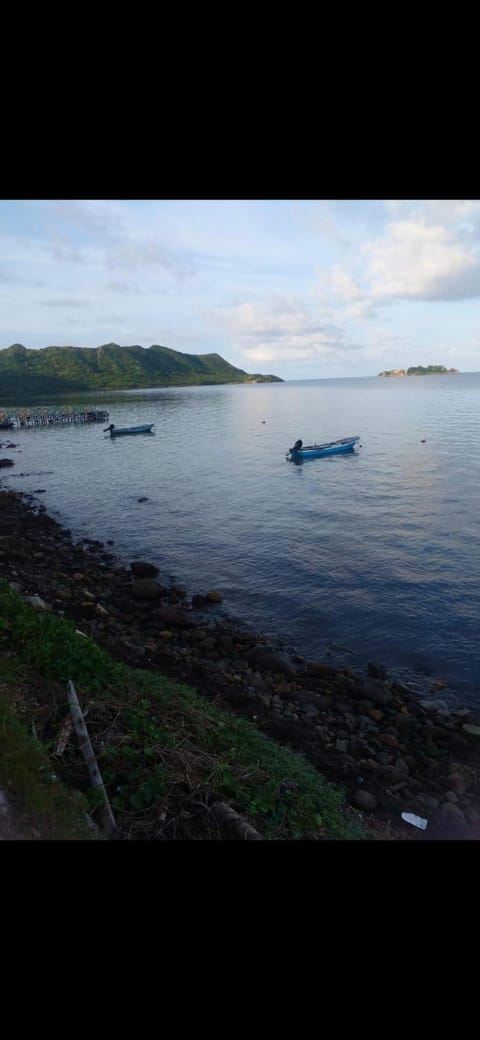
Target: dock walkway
x=28, y=418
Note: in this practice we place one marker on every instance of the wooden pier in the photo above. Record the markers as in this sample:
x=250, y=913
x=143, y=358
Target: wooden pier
x=30, y=418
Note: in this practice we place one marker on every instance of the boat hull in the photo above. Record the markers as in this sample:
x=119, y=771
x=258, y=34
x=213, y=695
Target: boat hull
x=318, y=451
x=129, y=430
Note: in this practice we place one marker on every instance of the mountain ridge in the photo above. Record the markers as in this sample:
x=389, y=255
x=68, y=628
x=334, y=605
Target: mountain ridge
x=112, y=367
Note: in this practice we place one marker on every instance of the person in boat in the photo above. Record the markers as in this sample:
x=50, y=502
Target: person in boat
x=296, y=447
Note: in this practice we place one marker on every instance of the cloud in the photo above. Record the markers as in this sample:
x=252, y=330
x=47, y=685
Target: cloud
x=64, y=301
x=430, y=254
x=99, y=220
x=280, y=329
x=33, y=283
x=132, y=254
x=418, y=260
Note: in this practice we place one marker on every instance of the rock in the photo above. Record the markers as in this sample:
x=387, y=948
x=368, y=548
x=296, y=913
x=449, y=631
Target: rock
x=285, y=688
x=401, y=767
x=435, y=732
x=320, y=701
x=458, y=743
x=449, y=822
x=141, y=569
x=264, y=659
x=322, y=670
x=63, y=594
x=456, y=783
x=365, y=801
x=379, y=695
x=174, y=616
x=376, y=671
x=309, y=711
x=388, y=740
x=214, y=597
x=473, y=731
x=142, y=499
x=436, y=704
x=363, y=706
x=101, y=611
x=179, y=591
x=146, y=589
x=428, y=801
x=198, y=600
x=376, y=714
x=37, y=603
x=342, y=746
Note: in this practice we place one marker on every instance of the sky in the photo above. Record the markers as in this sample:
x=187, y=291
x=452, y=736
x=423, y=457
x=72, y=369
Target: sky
x=302, y=289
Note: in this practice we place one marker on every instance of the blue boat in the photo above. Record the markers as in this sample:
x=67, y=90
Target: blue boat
x=120, y=431
x=299, y=452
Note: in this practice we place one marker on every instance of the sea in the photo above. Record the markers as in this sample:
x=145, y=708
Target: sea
x=370, y=557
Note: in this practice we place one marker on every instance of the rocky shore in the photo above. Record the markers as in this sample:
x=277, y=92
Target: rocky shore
x=390, y=751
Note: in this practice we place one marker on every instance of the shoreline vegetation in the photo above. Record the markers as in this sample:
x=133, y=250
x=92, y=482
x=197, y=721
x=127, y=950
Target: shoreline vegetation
x=202, y=729
x=420, y=370
x=64, y=370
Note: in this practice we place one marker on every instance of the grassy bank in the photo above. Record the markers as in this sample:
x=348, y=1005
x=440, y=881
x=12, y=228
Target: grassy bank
x=167, y=756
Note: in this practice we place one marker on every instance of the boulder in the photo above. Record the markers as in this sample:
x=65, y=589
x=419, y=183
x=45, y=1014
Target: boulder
x=141, y=569
x=214, y=597
x=265, y=659
x=172, y=616
x=146, y=589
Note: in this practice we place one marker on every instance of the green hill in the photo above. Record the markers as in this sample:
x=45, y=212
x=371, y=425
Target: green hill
x=111, y=367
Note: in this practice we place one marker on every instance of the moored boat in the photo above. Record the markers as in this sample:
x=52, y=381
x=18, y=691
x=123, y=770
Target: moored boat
x=120, y=431
x=317, y=451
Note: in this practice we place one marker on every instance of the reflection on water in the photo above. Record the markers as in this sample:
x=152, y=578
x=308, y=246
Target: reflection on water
x=374, y=551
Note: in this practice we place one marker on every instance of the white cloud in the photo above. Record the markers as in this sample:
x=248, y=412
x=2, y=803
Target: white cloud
x=417, y=260
x=430, y=254
x=344, y=285
x=280, y=329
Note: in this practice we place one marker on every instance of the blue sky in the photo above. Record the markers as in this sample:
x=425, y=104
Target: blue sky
x=303, y=289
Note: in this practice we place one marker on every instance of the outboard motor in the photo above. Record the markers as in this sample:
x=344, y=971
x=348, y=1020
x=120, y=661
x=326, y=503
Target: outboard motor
x=292, y=451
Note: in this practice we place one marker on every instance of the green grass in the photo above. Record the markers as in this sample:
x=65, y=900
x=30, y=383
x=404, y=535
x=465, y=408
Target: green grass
x=164, y=752
x=26, y=771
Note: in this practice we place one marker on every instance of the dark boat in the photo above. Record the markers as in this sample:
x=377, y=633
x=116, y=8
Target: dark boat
x=120, y=431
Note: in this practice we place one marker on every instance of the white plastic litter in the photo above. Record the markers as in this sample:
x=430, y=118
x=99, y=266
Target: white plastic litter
x=416, y=821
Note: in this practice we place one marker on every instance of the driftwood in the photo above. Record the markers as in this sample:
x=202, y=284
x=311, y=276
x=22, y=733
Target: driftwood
x=64, y=736
x=94, y=773
x=233, y=824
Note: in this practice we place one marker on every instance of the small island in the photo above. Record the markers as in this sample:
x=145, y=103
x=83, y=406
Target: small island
x=420, y=370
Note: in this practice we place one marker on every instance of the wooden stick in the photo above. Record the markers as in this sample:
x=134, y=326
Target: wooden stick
x=64, y=736
x=230, y=820
x=94, y=773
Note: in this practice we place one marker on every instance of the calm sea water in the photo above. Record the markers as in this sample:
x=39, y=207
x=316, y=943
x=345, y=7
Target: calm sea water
x=368, y=557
